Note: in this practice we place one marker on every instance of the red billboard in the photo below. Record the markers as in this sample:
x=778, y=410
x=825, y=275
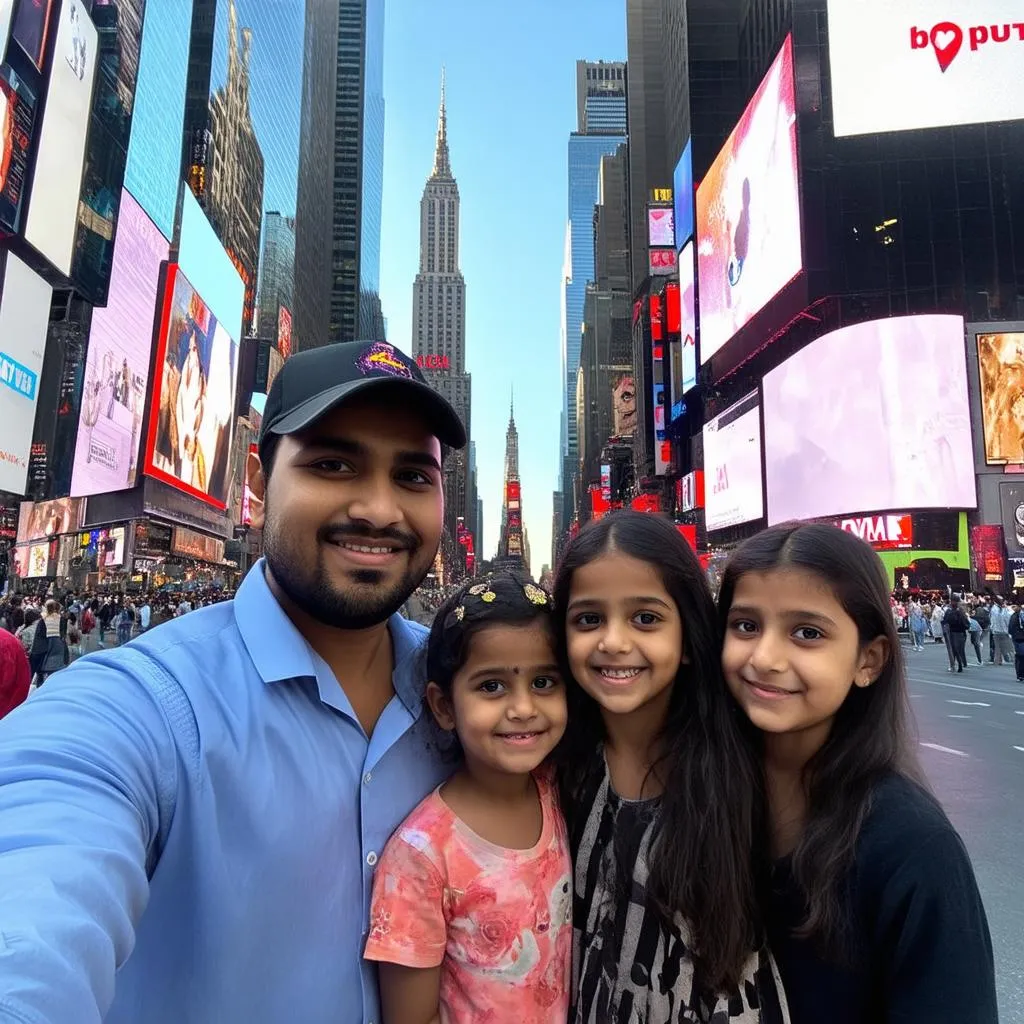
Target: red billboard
x=284, y=331
x=988, y=551
x=883, y=533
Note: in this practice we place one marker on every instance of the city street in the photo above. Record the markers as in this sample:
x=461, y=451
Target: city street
x=971, y=735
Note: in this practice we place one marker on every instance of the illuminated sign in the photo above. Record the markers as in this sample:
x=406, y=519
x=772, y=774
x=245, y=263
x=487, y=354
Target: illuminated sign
x=433, y=362
x=661, y=195
x=284, y=331
x=690, y=491
x=662, y=262
x=883, y=533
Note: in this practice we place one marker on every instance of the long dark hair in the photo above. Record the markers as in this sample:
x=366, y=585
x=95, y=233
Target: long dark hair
x=870, y=736
x=701, y=859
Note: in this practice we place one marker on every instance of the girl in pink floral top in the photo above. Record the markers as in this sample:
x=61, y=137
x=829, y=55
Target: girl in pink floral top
x=472, y=898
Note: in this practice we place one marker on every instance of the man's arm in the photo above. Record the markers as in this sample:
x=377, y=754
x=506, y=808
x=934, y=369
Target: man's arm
x=410, y=995
x=85, y=768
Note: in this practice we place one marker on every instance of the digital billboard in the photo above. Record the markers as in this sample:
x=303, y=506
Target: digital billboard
x=52, y=217
x=930, y=65
x=688, y=313
x=682, y=191
x=871, y=417
x=24, y=314
x=1001, y=374
x=1011, y=502
x=252, y=123
x=748, y=212
x=284, y=331
x=6, y=11
x=204, y=260
x=153, y=173
x=17, y=119
x=39, y=520
x=732, y=466
x=118, y=360
x=192, y=417
x=29, y=27
x=661, y=230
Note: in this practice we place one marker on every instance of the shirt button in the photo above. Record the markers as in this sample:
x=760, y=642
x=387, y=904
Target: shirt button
x=371, y=858
x=366, y=781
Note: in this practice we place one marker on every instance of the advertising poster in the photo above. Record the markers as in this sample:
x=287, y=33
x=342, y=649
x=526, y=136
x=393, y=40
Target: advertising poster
x=1001, y=374
x=661, y=231
x=192, y=420
x=52, y=217
x=29, y=27
x=748, y=212
x=117, y=365
x=624, y=406
x=6, y=12
x=24, y=314
x=931, y=65
x=989, y=555
x=682, y=193
x=284, y=332
x=871, y=417
x=1011, y=501
x=45, y=519
x=688, y=329
x=17, y=117
x=732, y=466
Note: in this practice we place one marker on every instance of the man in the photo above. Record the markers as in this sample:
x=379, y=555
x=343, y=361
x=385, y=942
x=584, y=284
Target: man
x=189, y=825
x=983, y=616
x=1000, y=625
x=1015, y=628
x=145, y=615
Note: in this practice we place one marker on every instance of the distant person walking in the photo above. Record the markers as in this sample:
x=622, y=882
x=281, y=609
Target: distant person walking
x=955, y=624
x=1016, y=632
x=918, y=624
x=1000, y=619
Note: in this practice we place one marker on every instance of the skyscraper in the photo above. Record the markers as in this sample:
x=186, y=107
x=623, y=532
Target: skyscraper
x=513, y=547
x=601, y=128
x=277, y=274
x=439, y=315
x=342, y=172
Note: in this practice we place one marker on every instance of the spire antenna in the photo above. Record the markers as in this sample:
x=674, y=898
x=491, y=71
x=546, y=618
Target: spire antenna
x=442, y=161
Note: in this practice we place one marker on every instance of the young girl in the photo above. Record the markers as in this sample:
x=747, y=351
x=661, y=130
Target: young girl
x=873, y=910
x=658, y=787
x=471, y=917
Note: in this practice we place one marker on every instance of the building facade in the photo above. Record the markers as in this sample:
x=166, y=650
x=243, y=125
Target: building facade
x=275, y=293
x=439, y=318
x=513, y=545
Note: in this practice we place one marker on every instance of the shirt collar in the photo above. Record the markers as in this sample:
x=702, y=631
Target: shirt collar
x=279, y=651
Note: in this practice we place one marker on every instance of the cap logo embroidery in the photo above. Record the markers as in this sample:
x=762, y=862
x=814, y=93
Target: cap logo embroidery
x=382, y=358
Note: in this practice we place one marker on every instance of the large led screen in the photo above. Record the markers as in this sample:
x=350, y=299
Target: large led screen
x=117, y=364
x=732, y=466
x=1001, y=372
x=192, y=418
x=153, y=172
x=688, y=317
x=6, y=10
x=905, y=64
x=17, y=118
x=29, y=27
x=39, y=520
x=682, y=192
x=871, y=418
x=748, y=212
x=203, y=259
x=52, y=217
x=24, y=315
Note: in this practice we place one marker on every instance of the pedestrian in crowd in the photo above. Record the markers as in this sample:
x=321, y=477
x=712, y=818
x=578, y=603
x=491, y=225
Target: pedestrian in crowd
x=26, y=632
x=141, y=799
x=917, y=625
x=145, y=615
x=873, y=910
x=104, y=617
x=1000, y=620
x=49, y=651
x=73, y=637
x=657, y=786
x=983, y=615
x=936, y=622
x=956, y=624
x=15, y=673
x=976, y=634
x=479, y=830
x=124, y=622
x=1015, y=629
x=15, y=614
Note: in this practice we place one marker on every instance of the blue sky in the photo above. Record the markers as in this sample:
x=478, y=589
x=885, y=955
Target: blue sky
x=511, y=106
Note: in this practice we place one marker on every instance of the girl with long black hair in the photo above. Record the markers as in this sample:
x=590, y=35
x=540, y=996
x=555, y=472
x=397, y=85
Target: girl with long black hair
x=658, y=788
x=869, y=897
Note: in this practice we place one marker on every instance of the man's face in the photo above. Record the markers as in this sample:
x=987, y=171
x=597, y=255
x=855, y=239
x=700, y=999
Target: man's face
x=352, y=512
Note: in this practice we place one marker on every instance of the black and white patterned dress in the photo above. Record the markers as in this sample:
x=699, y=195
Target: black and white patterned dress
x=628, y=966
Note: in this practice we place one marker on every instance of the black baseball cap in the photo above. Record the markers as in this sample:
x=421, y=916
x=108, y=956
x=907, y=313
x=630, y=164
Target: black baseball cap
x=313, y=382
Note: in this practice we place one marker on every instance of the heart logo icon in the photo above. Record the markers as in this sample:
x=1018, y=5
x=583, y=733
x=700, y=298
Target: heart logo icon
x=947, y=38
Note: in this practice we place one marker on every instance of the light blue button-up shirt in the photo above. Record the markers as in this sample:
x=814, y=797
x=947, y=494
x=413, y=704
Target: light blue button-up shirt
x=189, y=827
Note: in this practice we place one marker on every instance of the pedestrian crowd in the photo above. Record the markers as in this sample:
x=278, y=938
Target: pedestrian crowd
x=993, y=624
x=621, y=801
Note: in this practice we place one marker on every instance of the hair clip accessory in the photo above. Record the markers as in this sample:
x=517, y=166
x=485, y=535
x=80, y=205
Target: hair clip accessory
x=478, y=589
x=488, y=596
x=535, y=595
x=460, y=613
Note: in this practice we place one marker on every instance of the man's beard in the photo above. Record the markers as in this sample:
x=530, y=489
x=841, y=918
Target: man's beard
x=315, y=594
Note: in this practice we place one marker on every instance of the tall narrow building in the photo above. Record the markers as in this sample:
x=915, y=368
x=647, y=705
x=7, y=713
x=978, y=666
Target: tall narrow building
x=341, y=180
x=439, y=319
x=513, y=546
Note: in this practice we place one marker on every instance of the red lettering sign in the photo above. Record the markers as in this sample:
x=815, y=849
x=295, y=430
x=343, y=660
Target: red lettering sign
x=883, y=533
x=432, y=362
x=947, y=38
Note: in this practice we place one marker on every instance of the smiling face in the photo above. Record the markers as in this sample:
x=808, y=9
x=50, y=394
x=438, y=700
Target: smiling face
x=507, y=702
x=792, y=654
x=352, y=512
x=624, y=635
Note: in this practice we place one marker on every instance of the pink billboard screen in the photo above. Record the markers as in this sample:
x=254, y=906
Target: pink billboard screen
x=117, y=364
x=748, y=212
x=732, y=466
x=871, y=418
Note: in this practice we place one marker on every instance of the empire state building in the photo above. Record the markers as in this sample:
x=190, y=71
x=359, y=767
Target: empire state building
x=439, y=323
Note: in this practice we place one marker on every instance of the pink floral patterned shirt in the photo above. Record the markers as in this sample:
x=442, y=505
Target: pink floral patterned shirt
x=498, y=922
